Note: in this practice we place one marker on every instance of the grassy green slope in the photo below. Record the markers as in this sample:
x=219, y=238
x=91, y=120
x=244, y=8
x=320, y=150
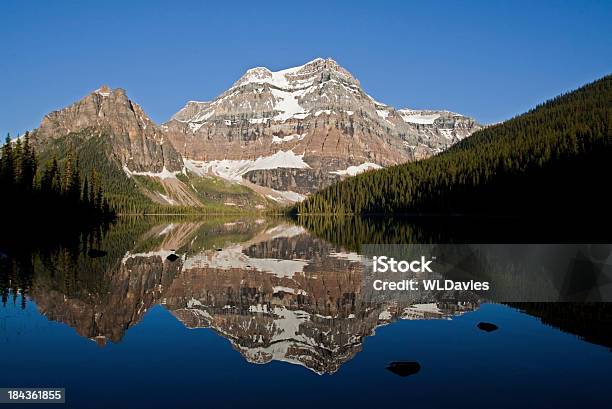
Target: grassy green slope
x=216, y=191
x=131, y=195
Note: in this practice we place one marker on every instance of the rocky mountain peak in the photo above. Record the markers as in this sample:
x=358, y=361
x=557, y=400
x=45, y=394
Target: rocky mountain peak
x=330, y=66
x=137, y=142
x=316, y=71
x=104, y=91
x=303, y=128
x=97, y=109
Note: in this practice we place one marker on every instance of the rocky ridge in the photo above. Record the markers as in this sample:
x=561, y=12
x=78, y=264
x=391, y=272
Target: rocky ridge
x=138, y=143
x=280, y=135
x=318, y=116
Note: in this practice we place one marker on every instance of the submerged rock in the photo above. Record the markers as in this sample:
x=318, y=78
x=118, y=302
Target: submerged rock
x=404, y=369
x=487, y=326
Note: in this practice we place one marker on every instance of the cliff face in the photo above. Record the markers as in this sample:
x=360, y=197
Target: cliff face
x=320, y=114
x=137, y=142
x=112, y=135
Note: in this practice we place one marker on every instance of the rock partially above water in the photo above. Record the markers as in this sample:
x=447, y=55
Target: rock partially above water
x=404, y=369
x=487, y=326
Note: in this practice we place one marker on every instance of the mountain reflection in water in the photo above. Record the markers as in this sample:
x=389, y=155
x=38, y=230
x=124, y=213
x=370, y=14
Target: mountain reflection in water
x=276, y=291
x=273, y=289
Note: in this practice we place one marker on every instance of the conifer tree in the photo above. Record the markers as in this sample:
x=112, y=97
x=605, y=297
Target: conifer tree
x=28, y=164
x=7, y=164
x=85, y=192
x=61, y=188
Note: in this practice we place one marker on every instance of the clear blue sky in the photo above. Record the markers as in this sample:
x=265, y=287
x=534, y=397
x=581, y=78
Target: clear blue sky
x=488, y=59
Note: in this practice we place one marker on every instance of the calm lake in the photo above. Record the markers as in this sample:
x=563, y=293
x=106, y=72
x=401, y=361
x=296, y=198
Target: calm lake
x=221, y=312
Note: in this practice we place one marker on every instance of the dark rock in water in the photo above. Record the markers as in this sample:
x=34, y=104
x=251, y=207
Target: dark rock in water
x=172, y=257
x=95, y=253
x=219, y=249
x=404, y=369
x=487, y=326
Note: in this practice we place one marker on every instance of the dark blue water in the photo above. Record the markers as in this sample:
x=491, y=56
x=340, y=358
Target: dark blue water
x=161, y=364
x=257, y=314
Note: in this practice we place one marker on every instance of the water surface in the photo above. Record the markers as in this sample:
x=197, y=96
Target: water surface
x=221, y=313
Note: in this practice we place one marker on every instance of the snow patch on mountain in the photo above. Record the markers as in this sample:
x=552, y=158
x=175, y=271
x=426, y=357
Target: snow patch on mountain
x=417, y=117
x=287, y=340
x=103, y=91
x=234, y=169
x=286, y=195
x=288, y=138
x=285, y=231
x=167, y=229
x=288, y=290
x=286, y=103
x=163, y=254
x=349, y=256
x=262, y=75
x=164, y=174
x=355, y=170
x=233, y=257
x=194, y=126
x=382, y=113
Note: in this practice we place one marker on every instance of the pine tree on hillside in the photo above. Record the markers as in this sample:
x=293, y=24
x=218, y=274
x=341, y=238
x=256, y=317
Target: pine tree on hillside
x=85, y=192
x=52, y=190
x=7, y=163
x=51, y=178
x=550, y=160
x=27, y=165
x=74, y=183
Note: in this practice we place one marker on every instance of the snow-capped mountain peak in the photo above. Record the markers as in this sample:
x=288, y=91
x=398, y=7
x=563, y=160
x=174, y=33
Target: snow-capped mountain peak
x=319, y=112
x=296, y=77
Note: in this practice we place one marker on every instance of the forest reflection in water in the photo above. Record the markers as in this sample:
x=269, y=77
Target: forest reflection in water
x=276, y=290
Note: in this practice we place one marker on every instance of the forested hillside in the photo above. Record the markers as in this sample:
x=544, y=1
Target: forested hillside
x=55, y=189
x=133, y=195
x=554, y=159
x=93, y=153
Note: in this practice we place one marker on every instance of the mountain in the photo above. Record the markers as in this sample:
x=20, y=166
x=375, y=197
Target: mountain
x=303, y=128
x=548, y=161
x=272, y=138
x=138, y=144
x=138, y=166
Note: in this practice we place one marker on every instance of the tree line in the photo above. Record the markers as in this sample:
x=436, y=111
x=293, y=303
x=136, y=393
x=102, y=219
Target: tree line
x=50, y=190
x=554, y=159
x=126, y=195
